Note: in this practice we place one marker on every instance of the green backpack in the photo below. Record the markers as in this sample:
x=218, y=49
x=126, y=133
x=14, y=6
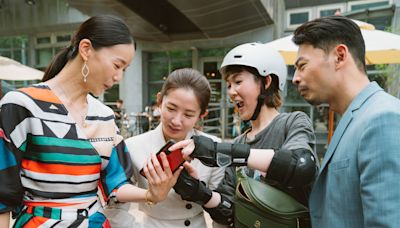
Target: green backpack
x=258, y=204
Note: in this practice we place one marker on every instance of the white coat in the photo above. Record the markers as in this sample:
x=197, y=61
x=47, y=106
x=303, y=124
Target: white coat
x=173, y=211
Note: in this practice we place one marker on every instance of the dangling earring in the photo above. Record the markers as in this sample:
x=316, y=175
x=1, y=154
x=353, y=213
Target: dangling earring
x=85, y=71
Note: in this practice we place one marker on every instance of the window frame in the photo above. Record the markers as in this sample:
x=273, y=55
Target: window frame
x=363, y=2
x=53, y=45
x=340, y=6
x=294, y=11
x=24, y=49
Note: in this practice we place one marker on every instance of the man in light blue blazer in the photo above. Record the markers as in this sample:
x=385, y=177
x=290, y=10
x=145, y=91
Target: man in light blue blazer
x=359, y=180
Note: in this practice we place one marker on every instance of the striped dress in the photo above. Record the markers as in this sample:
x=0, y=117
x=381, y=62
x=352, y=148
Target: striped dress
x=52, y=172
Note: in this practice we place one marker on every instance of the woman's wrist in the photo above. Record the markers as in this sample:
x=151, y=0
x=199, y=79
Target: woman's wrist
x=214, y=201
x=148, y=198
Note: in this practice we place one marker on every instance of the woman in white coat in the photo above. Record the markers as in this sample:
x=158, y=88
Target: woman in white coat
x=183, y=101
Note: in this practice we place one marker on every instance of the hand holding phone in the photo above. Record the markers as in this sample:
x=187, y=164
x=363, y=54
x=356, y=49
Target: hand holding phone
x=174, y=158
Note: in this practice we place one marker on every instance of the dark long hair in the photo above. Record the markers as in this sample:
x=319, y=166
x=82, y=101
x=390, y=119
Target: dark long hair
x=189, y=78
x=101, y=30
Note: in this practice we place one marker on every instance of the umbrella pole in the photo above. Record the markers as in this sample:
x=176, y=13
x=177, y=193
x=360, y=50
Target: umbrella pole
x=330, y=125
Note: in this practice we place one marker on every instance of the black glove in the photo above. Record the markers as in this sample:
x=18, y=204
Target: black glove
x=215, y=154
x=191, y=189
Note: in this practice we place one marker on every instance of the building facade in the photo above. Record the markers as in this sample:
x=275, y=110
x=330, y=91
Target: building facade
x=174, y=34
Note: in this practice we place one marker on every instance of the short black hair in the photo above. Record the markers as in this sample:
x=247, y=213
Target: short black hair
x=327, y=32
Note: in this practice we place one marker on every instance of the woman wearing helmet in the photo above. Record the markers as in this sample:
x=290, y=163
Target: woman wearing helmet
x=277, y=149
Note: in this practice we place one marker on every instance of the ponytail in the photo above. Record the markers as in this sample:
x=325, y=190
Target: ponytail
x=58, y=62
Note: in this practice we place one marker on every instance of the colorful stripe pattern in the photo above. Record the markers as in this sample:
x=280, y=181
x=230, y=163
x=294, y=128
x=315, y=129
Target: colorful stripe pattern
x=48, y=161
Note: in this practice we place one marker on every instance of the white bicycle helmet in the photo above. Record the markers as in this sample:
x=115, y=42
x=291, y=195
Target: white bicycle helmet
x=263, y=58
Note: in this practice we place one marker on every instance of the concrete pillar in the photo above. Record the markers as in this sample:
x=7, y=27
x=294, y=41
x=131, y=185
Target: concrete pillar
x=275, y=9
x=131, y=87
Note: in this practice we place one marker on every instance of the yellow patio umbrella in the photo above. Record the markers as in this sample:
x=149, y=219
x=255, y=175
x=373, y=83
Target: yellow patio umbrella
x=380, y=47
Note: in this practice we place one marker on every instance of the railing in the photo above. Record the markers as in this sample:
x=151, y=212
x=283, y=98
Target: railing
x=219, y=121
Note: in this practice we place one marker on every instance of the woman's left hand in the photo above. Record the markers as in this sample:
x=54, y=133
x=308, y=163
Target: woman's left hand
x=160, y=179
x=191, y=170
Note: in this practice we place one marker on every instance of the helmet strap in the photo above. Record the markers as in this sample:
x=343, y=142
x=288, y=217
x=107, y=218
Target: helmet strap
x=260, y=99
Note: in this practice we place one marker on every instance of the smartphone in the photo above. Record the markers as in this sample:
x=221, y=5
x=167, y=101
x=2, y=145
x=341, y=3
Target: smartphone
x=174, y=158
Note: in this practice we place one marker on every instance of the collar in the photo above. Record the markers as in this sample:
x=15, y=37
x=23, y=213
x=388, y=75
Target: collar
x=359, y=100
x=159, y=133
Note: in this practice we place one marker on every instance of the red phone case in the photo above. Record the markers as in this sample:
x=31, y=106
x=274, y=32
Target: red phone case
x=174, y=158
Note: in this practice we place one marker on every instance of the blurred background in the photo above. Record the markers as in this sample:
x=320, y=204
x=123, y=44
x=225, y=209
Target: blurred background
x=172, y=34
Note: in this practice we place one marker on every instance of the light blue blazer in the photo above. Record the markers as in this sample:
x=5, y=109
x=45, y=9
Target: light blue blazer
x=359, y=180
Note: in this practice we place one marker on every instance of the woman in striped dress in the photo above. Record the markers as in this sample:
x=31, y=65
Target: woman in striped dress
x=61, y=157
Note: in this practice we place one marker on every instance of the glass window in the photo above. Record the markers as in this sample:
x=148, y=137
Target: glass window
x=160, y=64
x=6, y=87
x=381, y=23
x=306, y=109
x=379, y=74
x=20, y=42
x=43, y=40
x=180, y=63
x=18, y=55
x=215, y=91
x=321, y=124
x=327, y=12
x=49, y=45
x=112, y=94
x=292, y=95
x=63, y=38
x=5, y=53
x=321, y=149
x=43, y=57
x=215, y=52
x=175, y=55
x=157, y=70
x=15, y=48
x=211, y=70
x=368, y=5
x=156, y=56
x=6, y=42
x=298, y=18
x=154, y=88
x=180, y=59
x=18, y=84
x=291, y=71
x=321, y=118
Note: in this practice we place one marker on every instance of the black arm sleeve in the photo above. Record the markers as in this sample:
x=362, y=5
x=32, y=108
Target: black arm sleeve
x=295, y=165
x=293, y=168
x=223, y=213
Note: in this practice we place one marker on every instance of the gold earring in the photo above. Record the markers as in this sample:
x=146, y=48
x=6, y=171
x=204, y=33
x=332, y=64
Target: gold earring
x=85, y=71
